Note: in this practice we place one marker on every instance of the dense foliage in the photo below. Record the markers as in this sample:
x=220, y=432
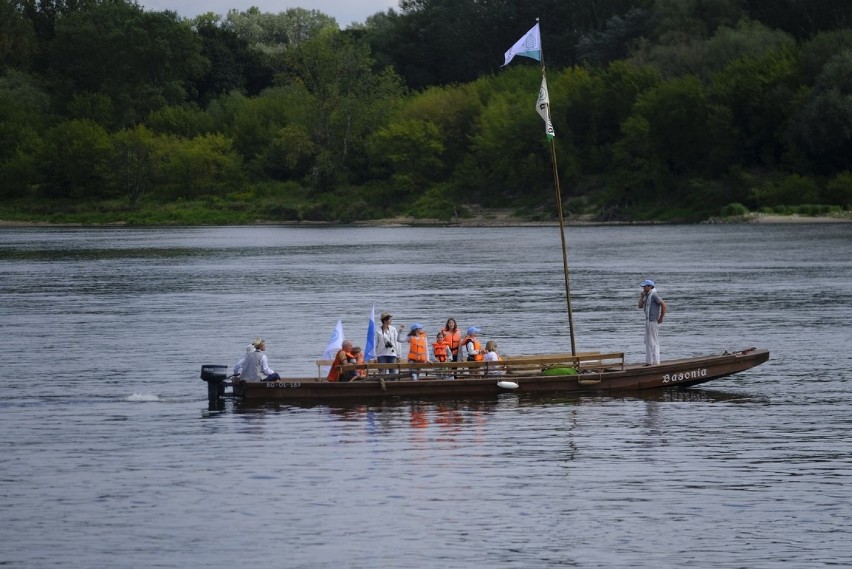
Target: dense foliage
x=663, y=109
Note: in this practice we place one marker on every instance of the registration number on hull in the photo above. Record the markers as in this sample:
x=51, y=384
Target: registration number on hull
x=284, y=384
x=685, y=375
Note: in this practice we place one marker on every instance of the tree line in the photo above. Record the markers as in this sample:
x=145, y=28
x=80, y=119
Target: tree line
x=663, y=109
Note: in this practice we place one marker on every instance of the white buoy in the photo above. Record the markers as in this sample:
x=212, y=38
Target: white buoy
x=507, y=384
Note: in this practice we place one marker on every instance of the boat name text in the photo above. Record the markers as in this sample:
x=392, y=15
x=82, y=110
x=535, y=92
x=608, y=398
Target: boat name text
x=284, y=384
x=685, y=375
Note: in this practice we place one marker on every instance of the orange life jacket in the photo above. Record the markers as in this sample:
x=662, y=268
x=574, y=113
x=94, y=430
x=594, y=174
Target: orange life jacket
x=453, y=339
x=417, y=346
x=476, y=346
x=359, y=359
x=339, y=360
x=440, y=350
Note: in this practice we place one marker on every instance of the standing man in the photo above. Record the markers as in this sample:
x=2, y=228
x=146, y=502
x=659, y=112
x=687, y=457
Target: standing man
x=388, y=348
x=655, y=311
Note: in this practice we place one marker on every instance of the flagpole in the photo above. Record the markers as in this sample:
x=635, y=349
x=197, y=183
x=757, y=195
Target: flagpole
x=558, y=189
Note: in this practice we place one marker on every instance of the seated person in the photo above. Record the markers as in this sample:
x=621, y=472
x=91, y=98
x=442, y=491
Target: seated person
x=357, y=358
x=492, y=356
x=343, y=357
x=238, y=367
x=255, y=366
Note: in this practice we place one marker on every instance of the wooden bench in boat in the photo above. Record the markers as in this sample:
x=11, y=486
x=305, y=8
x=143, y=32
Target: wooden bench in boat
x=509, y=365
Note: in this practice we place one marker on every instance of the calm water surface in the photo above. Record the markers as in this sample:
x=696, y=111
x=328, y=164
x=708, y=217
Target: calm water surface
x=110, y=457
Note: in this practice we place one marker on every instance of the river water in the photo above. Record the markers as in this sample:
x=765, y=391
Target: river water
x=111, y=458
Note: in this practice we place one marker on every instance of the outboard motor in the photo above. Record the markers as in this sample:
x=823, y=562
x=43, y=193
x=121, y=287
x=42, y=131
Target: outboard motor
x=215, y=376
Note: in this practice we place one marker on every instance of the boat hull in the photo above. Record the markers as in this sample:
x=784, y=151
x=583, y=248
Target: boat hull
x=632, y=377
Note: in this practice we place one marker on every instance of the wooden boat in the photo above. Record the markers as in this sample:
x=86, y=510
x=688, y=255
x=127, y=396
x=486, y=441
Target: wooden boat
x=603, y=373
x=555, y=373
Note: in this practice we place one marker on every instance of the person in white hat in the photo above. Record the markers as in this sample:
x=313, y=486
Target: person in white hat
x=655, y=310
x=256, y=365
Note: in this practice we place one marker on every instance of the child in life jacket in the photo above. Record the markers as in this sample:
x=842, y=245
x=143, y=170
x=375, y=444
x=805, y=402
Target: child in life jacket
x=442, y=352
x=357, y=358
x=417, y=348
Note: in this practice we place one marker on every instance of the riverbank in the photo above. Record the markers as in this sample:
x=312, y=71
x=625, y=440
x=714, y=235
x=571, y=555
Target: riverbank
x=490, y=218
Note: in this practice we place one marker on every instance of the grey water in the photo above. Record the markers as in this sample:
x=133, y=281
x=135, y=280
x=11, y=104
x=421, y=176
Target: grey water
x=110, y=457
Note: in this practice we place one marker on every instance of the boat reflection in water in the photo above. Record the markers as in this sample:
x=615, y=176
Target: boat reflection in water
x=457, y=416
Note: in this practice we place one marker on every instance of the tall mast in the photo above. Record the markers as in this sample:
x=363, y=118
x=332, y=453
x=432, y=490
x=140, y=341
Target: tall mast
x=555, y=168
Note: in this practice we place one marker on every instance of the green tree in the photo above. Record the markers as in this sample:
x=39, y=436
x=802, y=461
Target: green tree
x=289, y=155
x=414, y=148
x=24, y=105
x=589, y=107
x=816, y=52
x=206, y=165
x=441, y=42
x=182, y=120
x=234, y=64
x=508, y=151
x=133, y=165
x=18, y=44
x=683, y=54
x=675, y=131
x=616, y=39
x=802, y=18
x=792, y=189
x=141, y=61
x=75, y=161
x=345, y=99
x=273, y=32
x=838, y=190
x=760, y=92
x=822, y=128
x=24, y=117
x=452, y=111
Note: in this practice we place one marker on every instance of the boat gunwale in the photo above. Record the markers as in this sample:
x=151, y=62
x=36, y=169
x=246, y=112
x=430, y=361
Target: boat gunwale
x=627, y=377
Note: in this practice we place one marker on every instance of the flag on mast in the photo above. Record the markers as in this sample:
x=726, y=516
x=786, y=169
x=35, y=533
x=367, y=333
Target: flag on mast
x=543, y=108
x=528, y=46
x=334, y=345
x=370, y=344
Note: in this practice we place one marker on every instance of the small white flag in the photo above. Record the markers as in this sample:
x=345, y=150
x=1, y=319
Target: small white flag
x=528, y=46
x=543, y=108
x=334, y=345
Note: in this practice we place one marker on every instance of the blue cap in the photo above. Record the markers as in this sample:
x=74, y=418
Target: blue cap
x=473, y=330
x=647, y=282
x=416, y=326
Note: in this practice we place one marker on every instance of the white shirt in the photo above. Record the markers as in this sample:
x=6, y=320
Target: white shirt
x=253, y=364
x=389, y=336
x=492, y=369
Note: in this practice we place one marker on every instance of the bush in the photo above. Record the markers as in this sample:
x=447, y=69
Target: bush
x=734, y=210
x=437, y=202
x=838, y=191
